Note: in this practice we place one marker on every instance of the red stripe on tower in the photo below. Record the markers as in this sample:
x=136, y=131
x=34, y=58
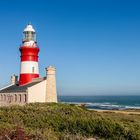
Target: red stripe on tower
x=29, y=57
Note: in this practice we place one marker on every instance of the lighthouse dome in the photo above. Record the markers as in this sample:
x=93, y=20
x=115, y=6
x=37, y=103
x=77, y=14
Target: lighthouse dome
x=29, y=28
x=29, y=34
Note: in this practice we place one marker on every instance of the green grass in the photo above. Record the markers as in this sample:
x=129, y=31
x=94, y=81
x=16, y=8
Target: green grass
x=65, y=122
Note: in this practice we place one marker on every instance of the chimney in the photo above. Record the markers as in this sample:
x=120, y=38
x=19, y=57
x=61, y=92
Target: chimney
x=14, y=79
x=51, y=91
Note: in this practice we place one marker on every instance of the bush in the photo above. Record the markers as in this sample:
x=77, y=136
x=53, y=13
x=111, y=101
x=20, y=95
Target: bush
x=42, y=121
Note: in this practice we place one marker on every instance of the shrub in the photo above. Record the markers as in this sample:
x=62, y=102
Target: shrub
x=42, y=121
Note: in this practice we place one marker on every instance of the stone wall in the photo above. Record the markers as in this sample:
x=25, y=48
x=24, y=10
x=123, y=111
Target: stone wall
x=13, y=98
x=51, y=91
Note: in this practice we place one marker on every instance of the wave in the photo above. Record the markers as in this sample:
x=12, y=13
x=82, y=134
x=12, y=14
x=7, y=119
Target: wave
x=105, y=106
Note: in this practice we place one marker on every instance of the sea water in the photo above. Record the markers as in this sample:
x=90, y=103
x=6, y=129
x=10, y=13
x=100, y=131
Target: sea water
x=104, y=102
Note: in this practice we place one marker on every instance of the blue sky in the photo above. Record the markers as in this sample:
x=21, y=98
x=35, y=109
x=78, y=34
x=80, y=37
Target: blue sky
x=94, y=44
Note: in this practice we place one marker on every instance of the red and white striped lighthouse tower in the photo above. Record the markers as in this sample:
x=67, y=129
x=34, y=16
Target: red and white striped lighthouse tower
x=29, y=56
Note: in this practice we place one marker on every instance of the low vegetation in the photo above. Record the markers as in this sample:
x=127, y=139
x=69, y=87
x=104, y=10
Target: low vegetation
x=65, y=122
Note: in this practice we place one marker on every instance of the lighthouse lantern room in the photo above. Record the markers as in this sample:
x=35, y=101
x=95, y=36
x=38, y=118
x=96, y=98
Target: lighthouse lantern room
x=29, y=56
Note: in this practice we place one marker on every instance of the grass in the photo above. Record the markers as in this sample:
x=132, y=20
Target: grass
x=42, y=121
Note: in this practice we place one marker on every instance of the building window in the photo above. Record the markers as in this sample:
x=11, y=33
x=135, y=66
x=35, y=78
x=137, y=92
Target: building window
x=15, y=97
x=1, y=97
x=11, y=98
x=25, y=98
x=20, y=98
x=4, y=97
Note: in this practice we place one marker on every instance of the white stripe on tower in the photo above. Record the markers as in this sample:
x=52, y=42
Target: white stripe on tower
x=29, y=67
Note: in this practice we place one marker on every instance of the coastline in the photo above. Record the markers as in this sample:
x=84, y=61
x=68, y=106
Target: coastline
x=129, y=110
x=104, y=102
x=135, y=112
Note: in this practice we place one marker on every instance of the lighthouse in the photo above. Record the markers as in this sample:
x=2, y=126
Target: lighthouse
x=30, y=88
x=29, y=56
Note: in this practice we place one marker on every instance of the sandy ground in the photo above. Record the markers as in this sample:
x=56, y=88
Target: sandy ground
x=121, y=111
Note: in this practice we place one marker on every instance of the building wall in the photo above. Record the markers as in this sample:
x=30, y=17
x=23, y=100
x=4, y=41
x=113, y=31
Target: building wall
x=37, y=93
x=51, y=92
x=13, y=99
x=44, y=91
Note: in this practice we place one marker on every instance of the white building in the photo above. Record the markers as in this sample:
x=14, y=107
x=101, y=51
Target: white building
x=39, y=90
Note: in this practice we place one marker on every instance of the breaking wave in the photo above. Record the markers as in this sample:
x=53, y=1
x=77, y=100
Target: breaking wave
x=105, y=106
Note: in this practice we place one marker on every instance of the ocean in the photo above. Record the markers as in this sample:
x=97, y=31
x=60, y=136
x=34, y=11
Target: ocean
x=104, y=102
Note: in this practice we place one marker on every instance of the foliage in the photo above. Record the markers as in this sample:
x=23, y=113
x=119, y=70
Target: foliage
x=44, y=121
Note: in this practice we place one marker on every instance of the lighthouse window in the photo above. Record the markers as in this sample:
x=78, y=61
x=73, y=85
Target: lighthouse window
x=27, y=35
x=33, y=69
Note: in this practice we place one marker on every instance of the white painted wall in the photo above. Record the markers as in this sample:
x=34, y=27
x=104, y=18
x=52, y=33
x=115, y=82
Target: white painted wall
x=37, y=93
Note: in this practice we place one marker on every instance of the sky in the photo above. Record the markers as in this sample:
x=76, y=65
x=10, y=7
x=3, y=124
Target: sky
x=94, y=44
